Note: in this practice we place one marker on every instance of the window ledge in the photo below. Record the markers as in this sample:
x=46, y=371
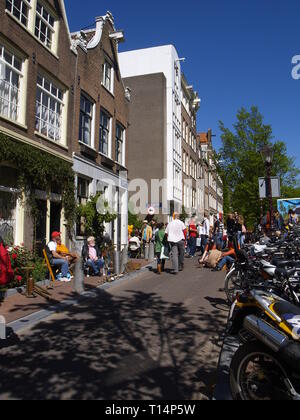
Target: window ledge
x=107, y=90
x=86, y=145
x=30, y=33
x=105, y=156
x=42, y=136
x=16, y=123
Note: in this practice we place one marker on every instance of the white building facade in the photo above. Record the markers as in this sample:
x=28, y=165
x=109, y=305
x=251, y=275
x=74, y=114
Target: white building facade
x=164, y=60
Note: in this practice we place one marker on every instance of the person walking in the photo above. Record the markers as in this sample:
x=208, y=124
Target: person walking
x=192, y=238
x=278, y=222
x=218, y=231
x=205, y=232
x=293, y=218
x=231, y=227
x=146, y=238
x=176, y=232
x=159, y=246
x=241, y=231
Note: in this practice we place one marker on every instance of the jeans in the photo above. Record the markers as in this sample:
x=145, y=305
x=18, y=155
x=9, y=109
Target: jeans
x=192, y=245
x=204, y=240
x=63, y=265
x=96, y=265
x=160, y=261
x=177, y=255
x=225, y=261
x=241, y=238
x=219, y=240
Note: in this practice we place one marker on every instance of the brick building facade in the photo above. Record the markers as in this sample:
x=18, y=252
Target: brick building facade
x=100, y=126
x=36, y=104
x=62, y=95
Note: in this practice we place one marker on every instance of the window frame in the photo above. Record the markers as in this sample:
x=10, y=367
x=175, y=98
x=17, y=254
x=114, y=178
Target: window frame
x=109, y=86
x=84, y=113
x=13, y=7
x=107, y=130
x=58, y=100
x=122, y=141
x=20, y=72
x=43, y=20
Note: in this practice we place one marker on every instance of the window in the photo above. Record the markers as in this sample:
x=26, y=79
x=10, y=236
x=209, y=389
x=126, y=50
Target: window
x=120, y=144
x=10, y=81
x=83, y=186
x=19, y=9
x=104, y=133
x=49, y=109
x=44, y=25
x=107, y=76
x=82, y=190
x=86, y=118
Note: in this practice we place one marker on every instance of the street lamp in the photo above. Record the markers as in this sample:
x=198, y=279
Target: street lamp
x=267, y=153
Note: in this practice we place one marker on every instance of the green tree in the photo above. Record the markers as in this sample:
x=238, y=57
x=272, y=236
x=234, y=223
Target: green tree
x=241, y=163
x=135, y=221
x=183, y=216
x=93, y=221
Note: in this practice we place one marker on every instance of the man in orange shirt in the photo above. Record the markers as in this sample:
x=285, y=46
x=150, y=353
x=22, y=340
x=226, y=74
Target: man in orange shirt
x=228, y=258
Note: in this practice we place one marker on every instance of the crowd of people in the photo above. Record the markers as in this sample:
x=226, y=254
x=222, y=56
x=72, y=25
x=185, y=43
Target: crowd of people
x=216, y=244
x=176, y=241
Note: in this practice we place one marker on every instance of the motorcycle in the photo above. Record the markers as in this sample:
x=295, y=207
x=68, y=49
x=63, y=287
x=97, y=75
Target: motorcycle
x=267, y=364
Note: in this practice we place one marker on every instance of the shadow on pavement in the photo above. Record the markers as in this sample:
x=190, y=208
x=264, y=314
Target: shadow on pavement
x=136, y=346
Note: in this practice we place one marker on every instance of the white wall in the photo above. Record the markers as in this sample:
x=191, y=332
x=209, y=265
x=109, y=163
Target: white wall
x=160, y=60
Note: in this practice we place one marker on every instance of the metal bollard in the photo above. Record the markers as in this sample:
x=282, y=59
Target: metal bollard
x=117, y=262
x=79, y=277
x=147, y=250
x=2, y=328
x=151, y=251
x=124, y=259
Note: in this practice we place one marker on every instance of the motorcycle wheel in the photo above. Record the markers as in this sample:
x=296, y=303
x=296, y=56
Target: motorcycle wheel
x=232, y=285
x=256, y=374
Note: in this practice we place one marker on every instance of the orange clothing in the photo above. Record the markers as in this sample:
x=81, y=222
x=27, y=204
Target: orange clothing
x=62, y=249
x=229, y=253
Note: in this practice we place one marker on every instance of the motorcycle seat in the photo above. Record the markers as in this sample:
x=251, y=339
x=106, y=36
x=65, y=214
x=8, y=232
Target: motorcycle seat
x=289, y=313
x=285, y=263
x=280, y=263
x=286, y=274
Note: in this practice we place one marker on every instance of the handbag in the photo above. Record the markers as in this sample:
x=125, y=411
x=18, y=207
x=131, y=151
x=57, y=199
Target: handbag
x=165, y=253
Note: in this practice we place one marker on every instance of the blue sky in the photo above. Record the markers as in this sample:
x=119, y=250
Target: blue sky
x=238, y=53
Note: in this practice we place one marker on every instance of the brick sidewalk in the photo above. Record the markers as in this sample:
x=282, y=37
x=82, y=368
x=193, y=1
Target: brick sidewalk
x=19, y=306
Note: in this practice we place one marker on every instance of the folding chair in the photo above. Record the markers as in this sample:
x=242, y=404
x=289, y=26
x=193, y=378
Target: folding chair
x=46, y=254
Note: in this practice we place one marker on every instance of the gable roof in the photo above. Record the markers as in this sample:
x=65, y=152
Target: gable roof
x=65, y=18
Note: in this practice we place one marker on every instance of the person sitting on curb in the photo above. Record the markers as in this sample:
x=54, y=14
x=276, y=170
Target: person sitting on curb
x=228, y=258
x=92, y=255
x=58, y=260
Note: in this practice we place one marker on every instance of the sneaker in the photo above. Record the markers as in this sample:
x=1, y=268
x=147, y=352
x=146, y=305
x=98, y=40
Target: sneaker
x=59, y=277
